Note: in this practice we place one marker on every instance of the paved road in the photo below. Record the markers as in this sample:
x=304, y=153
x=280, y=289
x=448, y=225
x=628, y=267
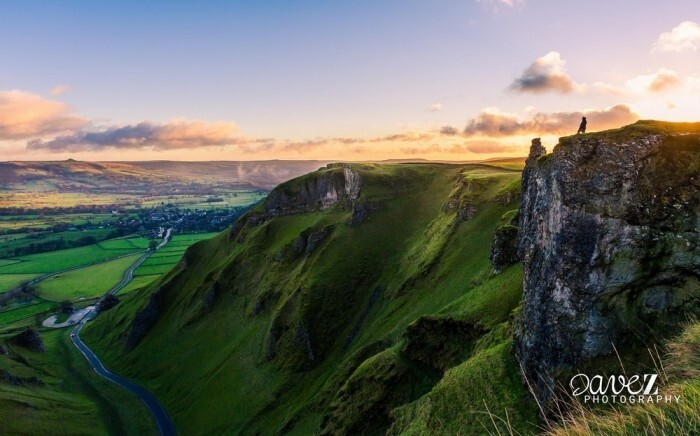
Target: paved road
x=165, y=424
x=73, y=319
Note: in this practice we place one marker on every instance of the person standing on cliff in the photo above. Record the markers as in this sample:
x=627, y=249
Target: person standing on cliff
x=582, y=126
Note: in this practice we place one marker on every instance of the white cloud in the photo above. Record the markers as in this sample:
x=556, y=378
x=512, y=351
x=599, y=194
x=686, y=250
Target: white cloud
x=176, y=134
x=435, y=107
x=59, y=89
x=682, y=38
x=499, y=4
x=546, y=74
x=26, y=115
x=493, y=123
x=662, y=80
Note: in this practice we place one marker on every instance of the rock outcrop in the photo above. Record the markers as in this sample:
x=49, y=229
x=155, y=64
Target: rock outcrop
x=316, y=191
x=504, y=249
x=609, y=243
x=107, y=302
x=29, y=339
x=338, y=183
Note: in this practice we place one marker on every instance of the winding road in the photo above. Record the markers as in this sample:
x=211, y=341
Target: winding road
x=165, y=424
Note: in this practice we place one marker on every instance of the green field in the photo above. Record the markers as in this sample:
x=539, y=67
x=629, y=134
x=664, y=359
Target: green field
x=38, y=222
x=88, y=282
x=8, y=244
x=11, y=281
x=125, y=244
x=164, y=259
x=69, y=258
x=11, y=315
x=234, y=198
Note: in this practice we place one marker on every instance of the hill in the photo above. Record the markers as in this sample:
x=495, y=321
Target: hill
x=146, y=177
x=387, y=298
x=357, y=298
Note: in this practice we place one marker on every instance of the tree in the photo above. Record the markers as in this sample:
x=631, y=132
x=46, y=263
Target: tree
x=152, y=244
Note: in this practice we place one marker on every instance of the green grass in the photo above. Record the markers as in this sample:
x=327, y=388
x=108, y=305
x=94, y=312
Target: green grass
x=8, y=245
x=460, y=403
x=72, y=399
x=679, y=374
x=84, y=283
x=10, y=315
x=62, y=259
x=125, y=244
x=39, y=222
x=412, y=249
x=11, y=281
x=189, y=239
x=149, y=270
x=5, y=262
x=167, y=257
x=139, y=282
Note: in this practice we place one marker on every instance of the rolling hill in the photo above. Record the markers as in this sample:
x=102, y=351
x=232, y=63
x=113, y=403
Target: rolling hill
x=357, y=298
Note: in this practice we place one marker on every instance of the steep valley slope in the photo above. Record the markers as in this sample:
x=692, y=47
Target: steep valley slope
x=356, y=299
x=377, y=298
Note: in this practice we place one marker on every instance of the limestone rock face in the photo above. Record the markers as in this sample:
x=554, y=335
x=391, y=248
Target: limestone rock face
x=504, y=247
x=609, y=243
x=316, y=192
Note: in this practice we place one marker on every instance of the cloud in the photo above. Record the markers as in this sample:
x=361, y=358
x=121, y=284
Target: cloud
x=481, y=147
x=24, y=115
x=607, y=88
x=448, y=131
x=660, y=81
x=493, y=123
x=432, y=148
x=546, y=74
x=497, y=5
x=435, y=107
x=177, y=134
x=59, y=90
x=682, y=38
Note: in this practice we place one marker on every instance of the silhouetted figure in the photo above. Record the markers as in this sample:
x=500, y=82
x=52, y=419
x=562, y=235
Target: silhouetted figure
x=582, y=126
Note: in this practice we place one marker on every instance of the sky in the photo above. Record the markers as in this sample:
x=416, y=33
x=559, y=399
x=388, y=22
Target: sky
x=335, y=80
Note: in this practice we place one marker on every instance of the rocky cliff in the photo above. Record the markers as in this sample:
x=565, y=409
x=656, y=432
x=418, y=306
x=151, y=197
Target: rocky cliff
x=609, y=243
x=317, y=191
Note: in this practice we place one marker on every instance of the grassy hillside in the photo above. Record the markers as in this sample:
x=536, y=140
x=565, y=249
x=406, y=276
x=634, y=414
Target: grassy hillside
x=56, y=392
x=380, y=314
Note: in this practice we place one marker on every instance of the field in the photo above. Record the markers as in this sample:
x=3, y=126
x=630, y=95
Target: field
x=39, y=222
x=55, y=261
x=87, y=282
x=11, y=281
x=11, y=315
x=229, y=199
x=36, y=199
x=10, y=243
x=163, y=260
x=52, y=199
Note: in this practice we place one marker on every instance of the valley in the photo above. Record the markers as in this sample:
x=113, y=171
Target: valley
x=387, y=298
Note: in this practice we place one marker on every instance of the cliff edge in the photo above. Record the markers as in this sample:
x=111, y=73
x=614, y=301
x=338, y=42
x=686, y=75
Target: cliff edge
x=609, y=243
